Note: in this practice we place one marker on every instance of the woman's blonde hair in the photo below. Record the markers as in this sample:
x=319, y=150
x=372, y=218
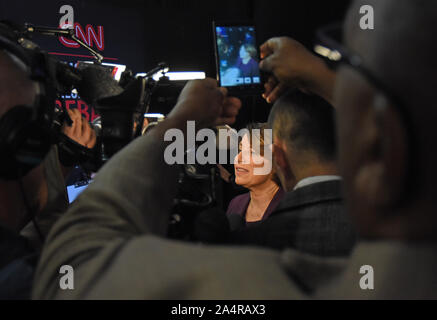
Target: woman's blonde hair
x=251, y=50
x=261, y=128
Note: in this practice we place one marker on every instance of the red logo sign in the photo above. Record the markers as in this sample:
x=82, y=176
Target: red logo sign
x=88, y=35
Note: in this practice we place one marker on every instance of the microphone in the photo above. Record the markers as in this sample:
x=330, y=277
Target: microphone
x=96, y=83
x=162, y=66
x=68, y=33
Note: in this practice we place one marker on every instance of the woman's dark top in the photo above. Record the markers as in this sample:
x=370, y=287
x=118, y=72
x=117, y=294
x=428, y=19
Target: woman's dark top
x=238, y=206
x=249, y=69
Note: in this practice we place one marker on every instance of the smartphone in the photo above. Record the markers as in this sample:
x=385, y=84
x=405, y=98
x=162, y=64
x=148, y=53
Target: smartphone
x=237, y=57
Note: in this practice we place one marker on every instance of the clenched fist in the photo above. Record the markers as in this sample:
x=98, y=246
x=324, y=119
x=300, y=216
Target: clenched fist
x=207, y=104
x=293, y=66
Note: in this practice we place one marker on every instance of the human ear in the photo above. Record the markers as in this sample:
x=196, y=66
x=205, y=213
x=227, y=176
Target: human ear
x=381, y=179
x=282, y=166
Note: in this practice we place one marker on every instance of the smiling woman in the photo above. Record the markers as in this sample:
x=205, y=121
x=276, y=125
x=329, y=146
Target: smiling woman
x=265, y=192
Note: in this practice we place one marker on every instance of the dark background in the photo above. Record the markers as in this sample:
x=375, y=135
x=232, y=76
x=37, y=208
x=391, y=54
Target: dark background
x=142, y=33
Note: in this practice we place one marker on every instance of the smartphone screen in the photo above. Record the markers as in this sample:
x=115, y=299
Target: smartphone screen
x=237, y=56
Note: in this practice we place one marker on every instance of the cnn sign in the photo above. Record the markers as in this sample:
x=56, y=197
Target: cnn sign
x=89, y=35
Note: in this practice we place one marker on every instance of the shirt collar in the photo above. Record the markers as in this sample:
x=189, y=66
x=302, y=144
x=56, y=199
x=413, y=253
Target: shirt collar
x=316, y=179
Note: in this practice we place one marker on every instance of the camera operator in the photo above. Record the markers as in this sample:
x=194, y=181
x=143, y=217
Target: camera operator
x=56, y=175
x=19, y=199
x=39, y=195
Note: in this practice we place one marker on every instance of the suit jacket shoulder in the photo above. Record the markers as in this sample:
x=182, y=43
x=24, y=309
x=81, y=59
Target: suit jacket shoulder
x=311, y=219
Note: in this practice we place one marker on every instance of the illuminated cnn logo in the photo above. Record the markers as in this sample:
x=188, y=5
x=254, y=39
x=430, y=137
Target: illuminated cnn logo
x=88, y=34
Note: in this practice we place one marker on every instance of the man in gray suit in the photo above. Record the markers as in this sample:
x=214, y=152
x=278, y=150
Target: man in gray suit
x=111, y=235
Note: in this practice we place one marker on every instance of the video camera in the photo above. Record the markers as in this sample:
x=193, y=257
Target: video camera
x=120, y=104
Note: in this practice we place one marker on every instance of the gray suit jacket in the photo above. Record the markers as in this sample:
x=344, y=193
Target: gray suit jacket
x=311, y=219
x=112, y=237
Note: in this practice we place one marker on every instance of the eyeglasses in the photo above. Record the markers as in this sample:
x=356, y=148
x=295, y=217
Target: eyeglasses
x=329, y=48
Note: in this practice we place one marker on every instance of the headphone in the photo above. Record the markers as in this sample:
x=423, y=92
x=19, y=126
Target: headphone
x=26, y=131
